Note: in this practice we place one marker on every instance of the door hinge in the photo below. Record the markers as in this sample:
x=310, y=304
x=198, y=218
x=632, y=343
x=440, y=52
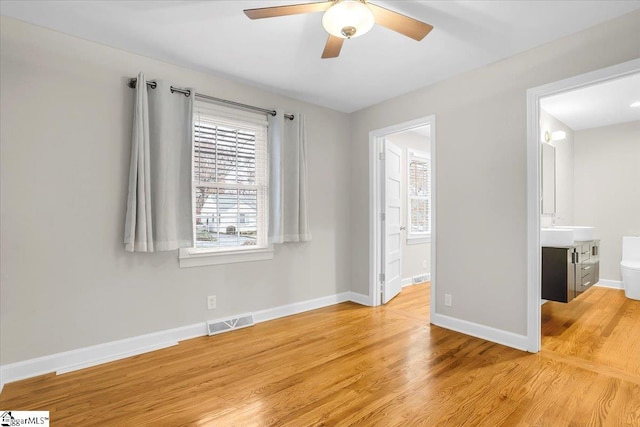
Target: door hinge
x=381, y=156
x=383, y=216
x=381, y=277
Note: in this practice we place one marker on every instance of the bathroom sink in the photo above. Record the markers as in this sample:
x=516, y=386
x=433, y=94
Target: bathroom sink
x=556, y=237
x=580, y=233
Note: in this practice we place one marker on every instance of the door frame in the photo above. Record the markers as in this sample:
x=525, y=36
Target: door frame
x=376, y=138
x=534, y=257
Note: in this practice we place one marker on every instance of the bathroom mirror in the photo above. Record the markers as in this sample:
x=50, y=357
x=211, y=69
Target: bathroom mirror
x=548, y=179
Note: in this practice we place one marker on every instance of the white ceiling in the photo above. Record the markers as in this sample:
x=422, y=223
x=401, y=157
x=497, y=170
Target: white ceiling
x=597, y=105
x=420, y=132
x=283, y=54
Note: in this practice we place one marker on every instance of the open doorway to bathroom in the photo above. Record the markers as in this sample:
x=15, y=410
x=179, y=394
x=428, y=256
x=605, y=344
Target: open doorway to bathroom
x=587, y=147
x=402, y=233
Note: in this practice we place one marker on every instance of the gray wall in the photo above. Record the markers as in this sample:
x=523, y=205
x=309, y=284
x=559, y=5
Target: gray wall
x=66, y=281
x=413, y=255
x=481, y=170
x=607, y=188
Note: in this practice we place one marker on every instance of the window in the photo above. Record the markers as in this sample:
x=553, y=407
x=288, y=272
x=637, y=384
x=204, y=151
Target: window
x=230, y=186
x=419, y=196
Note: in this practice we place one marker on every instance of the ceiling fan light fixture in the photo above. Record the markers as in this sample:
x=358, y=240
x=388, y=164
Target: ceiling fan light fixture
x=348, y=19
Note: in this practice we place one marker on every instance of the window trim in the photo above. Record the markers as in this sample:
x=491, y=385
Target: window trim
x=423, y=237
x=192, y=257
x=197, y=257
x=419, y=240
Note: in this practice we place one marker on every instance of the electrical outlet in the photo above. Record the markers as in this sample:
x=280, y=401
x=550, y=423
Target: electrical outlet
x=448, y=300
x=211, y=302
x=424, y=264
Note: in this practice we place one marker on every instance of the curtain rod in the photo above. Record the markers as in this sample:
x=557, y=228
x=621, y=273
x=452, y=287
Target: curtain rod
x=187, y=92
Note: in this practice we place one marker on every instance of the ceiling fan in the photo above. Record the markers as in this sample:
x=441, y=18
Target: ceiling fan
x=345, y=19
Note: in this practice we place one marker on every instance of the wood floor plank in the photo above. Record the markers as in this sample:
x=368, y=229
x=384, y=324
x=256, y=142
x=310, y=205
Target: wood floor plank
x=349, y=365
x=600, y=326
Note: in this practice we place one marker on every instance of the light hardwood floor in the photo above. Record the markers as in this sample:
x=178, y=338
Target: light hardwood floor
x=601, y=327
x=353, y=365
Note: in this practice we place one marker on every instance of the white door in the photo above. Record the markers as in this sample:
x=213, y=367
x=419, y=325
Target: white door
x=391, y=226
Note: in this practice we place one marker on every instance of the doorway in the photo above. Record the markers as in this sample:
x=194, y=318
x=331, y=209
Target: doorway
x=402, y=208
x=534, y=206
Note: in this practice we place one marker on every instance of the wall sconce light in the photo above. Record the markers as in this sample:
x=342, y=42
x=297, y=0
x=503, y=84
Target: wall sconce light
x=558, y=135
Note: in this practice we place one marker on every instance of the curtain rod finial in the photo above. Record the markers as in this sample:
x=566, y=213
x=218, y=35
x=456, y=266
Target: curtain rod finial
x=132, y=83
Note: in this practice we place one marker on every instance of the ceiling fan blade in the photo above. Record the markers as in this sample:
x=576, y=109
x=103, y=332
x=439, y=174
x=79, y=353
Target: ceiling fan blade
x=294, y=9
x=400, y=23
x=333, y=46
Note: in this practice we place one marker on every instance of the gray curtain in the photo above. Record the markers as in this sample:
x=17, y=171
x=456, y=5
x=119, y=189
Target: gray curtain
x=288, y=192
x=159, y=212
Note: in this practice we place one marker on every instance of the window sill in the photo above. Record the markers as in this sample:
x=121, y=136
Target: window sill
x=190, y=257
x=418, y=240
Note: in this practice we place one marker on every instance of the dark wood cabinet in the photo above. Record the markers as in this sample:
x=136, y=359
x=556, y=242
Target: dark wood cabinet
x=569, y=271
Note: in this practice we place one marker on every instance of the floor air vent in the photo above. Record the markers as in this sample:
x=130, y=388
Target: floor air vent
x=421, y=278
x=218, y=326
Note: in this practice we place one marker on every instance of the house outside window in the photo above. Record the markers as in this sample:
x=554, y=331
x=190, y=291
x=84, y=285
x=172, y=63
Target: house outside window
x=419, y=196
x=230, y=185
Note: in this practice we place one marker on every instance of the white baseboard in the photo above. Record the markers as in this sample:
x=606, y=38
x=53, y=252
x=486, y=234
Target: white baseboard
x=614, y=284
x=488, y=333
x=299, y=307
x=408, y=281
x=360, y=299
x=74, y=360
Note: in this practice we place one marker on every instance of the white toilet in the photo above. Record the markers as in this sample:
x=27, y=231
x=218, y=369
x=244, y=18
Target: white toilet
x=630, y=266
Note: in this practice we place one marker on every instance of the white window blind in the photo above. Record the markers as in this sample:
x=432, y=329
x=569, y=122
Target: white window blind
x=419, y=193
x=230, y=179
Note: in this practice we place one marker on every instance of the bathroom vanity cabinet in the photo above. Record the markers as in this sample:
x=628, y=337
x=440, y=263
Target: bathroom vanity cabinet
x=569, y=271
